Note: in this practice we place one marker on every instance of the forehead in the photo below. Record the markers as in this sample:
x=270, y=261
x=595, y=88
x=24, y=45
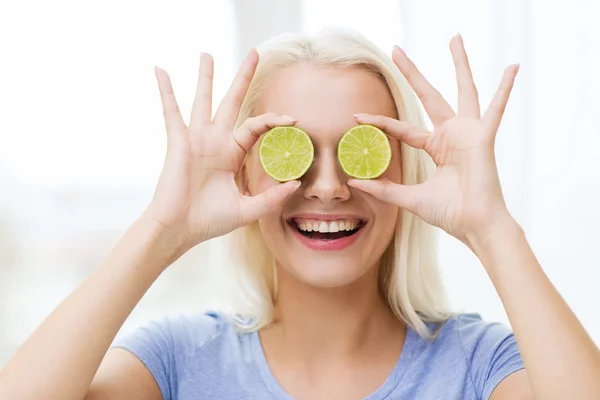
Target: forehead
x=325, y=99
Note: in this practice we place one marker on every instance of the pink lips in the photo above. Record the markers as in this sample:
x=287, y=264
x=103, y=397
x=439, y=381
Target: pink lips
x=326, y=245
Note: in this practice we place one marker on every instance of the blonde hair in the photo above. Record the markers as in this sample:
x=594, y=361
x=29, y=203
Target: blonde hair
x=409, y=277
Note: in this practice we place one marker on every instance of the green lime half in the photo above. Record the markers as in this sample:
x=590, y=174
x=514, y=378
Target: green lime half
x=286, y=153
x=364, y=152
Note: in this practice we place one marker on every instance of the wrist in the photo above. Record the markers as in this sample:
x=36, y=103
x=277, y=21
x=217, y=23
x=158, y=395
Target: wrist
x=164, y=242
x=499, y=228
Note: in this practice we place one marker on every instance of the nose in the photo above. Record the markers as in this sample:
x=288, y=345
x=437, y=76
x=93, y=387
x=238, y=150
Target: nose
x=325, y=180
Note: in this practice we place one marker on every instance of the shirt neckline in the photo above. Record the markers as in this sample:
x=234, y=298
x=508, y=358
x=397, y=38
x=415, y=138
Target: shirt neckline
x=382, y=392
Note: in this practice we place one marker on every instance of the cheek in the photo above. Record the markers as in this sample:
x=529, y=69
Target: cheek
x=386, y=216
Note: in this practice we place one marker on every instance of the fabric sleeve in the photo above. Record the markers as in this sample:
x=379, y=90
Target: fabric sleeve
x=165, y=345
x=490, y=350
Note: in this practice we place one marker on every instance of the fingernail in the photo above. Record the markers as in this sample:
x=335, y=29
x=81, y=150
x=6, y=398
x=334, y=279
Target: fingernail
x=288, y=118
x=252, y=53
x=205, y=57
x=397, y=47
x=360, y=115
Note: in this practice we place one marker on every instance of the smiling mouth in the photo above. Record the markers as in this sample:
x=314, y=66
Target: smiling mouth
x=326, y=230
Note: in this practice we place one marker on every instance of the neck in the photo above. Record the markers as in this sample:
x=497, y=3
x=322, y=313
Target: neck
x=343, y=322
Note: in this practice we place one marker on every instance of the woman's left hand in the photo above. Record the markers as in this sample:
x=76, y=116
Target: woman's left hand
x=463, y=197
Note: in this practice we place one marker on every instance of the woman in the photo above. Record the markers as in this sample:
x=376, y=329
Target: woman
x=365, y=319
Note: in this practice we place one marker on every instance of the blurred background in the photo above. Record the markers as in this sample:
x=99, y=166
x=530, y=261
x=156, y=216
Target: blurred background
x=82, y=139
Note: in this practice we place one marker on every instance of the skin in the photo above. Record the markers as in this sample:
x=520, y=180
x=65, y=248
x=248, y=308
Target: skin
x=324, y=100
x=464, y=198
x=332, y=326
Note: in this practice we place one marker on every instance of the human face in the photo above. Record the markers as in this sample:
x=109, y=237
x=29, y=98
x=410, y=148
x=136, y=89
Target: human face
x=324, y=101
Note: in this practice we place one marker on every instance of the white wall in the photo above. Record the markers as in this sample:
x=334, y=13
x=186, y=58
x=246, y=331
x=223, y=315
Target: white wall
x=547, y=143
x=82, y=140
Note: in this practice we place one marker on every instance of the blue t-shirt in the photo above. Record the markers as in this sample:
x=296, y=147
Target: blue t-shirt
x=205, y=357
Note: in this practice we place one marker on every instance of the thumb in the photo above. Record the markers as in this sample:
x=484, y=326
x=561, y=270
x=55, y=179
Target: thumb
x=404, y=196
x=255, y=207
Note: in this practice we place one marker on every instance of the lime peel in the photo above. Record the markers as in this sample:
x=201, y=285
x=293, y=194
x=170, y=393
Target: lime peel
x=286, y=153
x=364, y=152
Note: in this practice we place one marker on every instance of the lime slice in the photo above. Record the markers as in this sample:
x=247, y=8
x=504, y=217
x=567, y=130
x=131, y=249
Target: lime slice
x=364, y=152
x=286, y=153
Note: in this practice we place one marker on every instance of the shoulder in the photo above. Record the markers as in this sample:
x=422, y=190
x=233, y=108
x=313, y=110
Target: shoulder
x=474, y=353
x=169, y=345
x=470, y=330
x=489, y=348
x=482, y=344
x=462, y=335
x=191, y=331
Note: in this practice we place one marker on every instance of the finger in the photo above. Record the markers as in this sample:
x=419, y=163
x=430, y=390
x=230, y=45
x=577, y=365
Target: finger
x=171, y=113
x=404, y=196
x=495, y=111
x=252, y=129
x=253, y=208
x=406, y=132
x=202, y=108
x=468, y=98
x=436, y=107
x=229, y=108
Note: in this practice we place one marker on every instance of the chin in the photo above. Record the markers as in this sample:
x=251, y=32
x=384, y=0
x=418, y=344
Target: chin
x=325, y=250
x=318, y=258
x=323, y=272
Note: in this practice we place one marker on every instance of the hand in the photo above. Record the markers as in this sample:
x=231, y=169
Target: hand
x=463, y=196
x=196, y=196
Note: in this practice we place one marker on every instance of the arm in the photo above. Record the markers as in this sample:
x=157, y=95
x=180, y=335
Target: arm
x=122, y=376
x=60, y=359
x=561, y=359
x=465, y=199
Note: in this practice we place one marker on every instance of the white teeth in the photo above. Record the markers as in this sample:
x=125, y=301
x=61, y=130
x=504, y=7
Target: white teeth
x=323, y=227
x=326, y=226
x=333, y=227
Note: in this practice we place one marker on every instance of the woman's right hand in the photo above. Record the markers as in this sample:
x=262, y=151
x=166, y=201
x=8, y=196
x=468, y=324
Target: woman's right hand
x=196, y=197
